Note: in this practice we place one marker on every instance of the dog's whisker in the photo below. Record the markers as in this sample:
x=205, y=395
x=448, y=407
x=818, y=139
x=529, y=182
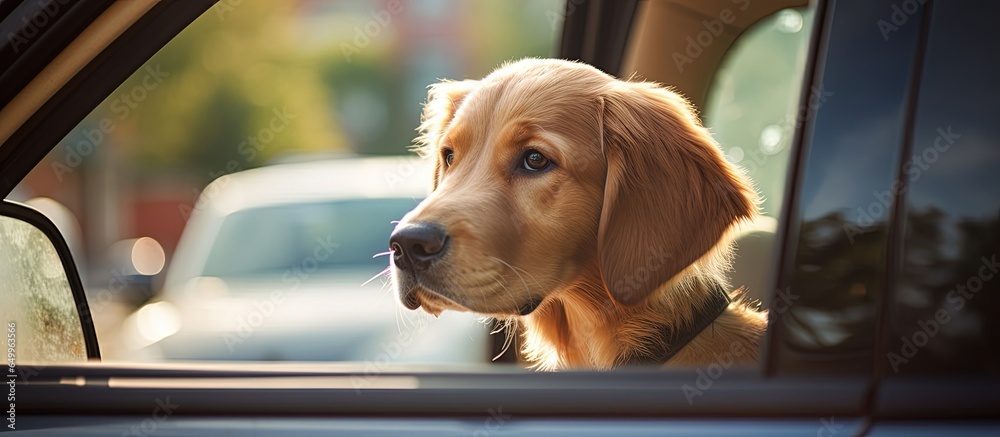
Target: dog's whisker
x=408, y=324
x=508, y=337
x=503, y=287
x=401, y=323
x=513, y=301
x=408, y=321
x=530, y=276
x=513, y=325
x=399, y=330
x=515, y=269
x=501, y=327
x=511, y=334
x=383, y=272
x=388, y=252
x=526, y=290
x=497, y=328
x=386, y=290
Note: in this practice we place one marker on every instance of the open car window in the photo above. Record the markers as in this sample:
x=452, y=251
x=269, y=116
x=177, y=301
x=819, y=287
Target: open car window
x=231, y=200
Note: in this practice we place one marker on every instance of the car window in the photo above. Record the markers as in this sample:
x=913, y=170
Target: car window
x=323, y=98
x=948, y=286
x=835, y=272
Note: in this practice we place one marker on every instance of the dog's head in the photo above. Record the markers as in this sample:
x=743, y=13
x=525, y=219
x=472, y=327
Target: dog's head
x=549, y=172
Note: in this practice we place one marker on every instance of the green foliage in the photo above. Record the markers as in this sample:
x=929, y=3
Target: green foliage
x=196, y=105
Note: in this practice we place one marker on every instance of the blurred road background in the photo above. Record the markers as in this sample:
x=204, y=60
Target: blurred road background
x=250, y=84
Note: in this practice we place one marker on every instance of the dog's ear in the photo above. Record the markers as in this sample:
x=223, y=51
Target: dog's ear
x=443, y=100
x=670, y=195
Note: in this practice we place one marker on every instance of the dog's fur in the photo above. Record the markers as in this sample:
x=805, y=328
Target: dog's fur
x=623, y=237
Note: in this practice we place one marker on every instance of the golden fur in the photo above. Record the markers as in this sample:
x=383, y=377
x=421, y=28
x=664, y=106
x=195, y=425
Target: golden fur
x=623, y=236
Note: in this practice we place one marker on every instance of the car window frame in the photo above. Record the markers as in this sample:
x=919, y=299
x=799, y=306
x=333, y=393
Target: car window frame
x=26, y=147
x=629, y=392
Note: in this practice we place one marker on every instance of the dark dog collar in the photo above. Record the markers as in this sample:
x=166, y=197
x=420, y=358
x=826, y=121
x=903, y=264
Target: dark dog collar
x=673, y=340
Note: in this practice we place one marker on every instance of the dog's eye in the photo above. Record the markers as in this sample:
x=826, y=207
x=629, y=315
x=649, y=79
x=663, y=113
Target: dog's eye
x=535, y=161
x=449, y=156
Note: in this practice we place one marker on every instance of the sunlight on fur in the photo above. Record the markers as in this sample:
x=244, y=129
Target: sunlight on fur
x=594, y=215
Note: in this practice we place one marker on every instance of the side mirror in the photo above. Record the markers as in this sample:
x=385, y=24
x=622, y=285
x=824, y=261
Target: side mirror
x=43, y=308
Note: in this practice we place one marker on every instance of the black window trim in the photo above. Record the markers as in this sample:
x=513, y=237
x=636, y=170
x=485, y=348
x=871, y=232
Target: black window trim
x=61, y=21
x=26, y=147
x=597, y=32
x=789, y=223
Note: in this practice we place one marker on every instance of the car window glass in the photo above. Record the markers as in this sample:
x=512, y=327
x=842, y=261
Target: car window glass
x=943, y=317
x=835, y=272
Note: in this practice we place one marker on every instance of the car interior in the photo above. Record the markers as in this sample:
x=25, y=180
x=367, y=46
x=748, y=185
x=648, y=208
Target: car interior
x=708, y=84
x=133, y=131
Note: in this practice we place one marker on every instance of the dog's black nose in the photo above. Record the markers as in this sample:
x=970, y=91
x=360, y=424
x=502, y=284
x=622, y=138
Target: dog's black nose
x=414, y=246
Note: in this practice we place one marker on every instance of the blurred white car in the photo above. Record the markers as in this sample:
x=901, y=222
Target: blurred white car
x=271, y=264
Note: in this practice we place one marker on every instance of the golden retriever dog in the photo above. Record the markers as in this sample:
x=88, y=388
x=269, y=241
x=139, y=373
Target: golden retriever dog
x=596, y=213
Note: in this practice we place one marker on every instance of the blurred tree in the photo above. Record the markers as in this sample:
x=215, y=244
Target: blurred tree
x=231, y=87
x=250, y=82
x=380, y=73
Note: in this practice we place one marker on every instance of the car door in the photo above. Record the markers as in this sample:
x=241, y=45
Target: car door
x=853, y=258
x=829, y=266
x=938, y=353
